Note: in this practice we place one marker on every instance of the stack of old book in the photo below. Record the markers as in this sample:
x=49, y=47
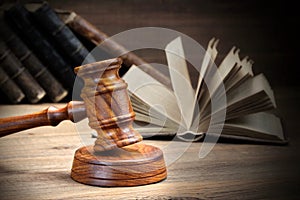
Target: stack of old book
x=39, y=48
x=38, y=52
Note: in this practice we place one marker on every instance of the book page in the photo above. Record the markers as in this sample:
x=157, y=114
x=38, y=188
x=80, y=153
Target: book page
x=251, y=87
x=237, y=77
x=259, y=125
x=229, y=62
x=180, y=80
x=216, y=78
x=153, y=93
x=254, y=95
x=208, y=60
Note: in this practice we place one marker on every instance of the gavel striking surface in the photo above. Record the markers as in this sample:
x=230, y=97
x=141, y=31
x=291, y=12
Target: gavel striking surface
x=137, y=164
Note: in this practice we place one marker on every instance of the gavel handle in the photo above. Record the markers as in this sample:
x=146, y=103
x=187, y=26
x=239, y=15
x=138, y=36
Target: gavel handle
x=74, y=111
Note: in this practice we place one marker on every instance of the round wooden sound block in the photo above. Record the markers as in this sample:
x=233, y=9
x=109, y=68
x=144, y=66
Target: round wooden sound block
x=137, y=164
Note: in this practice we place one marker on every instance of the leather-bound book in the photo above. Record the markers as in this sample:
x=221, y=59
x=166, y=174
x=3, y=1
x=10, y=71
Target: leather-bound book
x=15, y=70
x=10, y=88
x=53, y=88
x=20, y=20
x=60, y=34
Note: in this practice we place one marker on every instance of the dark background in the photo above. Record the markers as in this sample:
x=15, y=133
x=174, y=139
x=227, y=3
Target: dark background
x=266, y=32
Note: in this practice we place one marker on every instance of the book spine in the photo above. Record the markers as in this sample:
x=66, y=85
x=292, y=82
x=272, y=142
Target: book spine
x=10, y=88
x=66, y=40
x=53, y=88
x=13, y=67
x=20, y=19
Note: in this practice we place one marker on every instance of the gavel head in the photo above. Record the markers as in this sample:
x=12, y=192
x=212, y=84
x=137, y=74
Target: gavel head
x=107, y=103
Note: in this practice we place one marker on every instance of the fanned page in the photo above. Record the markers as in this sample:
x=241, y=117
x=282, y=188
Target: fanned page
x=158, y=109
x=209, y=59
x=231, y=72
x=180, y=80
x=158, y=101
x=254, y=95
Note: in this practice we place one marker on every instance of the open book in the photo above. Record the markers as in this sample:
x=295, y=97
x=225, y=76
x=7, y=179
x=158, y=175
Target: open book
x=227, y=101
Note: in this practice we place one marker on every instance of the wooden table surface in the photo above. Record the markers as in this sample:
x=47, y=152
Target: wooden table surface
x=36, y=164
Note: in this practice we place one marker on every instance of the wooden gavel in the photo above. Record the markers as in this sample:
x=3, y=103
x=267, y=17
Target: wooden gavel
x=106, y=104
x=114, y=159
